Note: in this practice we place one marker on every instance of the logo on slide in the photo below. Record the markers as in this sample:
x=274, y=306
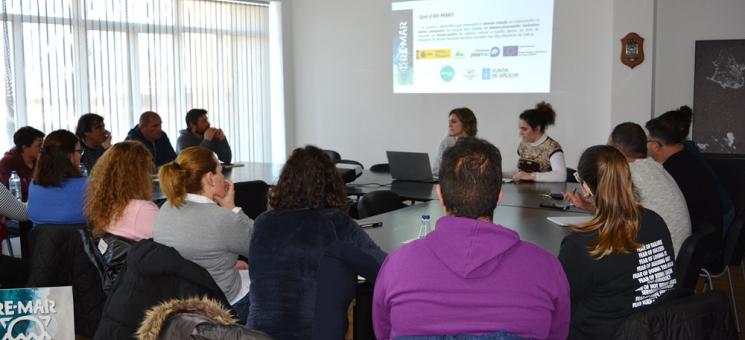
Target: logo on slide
x=485, y=73
x=510, y=51
x=447, y=73
x=494, y=52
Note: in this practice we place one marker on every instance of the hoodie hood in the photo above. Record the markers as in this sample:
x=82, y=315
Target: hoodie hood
x=469, y=247
x=12, y=153
x=135, y=133
x=157, y=317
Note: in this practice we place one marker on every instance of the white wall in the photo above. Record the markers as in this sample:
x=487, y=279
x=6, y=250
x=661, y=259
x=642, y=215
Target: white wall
x=632, y=88
x=342, y=88
x=679, y=24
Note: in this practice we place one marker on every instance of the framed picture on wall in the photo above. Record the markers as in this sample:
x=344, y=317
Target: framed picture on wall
x=719, y=96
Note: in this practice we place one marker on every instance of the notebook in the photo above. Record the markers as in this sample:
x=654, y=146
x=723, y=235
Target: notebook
x=410, y=166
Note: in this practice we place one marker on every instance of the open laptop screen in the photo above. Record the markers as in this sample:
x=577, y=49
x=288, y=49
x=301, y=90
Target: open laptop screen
x=410, y=166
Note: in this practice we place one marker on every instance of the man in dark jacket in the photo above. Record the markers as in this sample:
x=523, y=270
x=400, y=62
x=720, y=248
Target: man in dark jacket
x=149, y=131
x=199, y=132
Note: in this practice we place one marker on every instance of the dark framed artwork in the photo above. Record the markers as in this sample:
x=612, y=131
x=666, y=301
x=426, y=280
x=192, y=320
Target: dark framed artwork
x=719, y=96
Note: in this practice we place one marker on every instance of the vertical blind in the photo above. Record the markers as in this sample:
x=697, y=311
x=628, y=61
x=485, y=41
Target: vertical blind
x=118, y=58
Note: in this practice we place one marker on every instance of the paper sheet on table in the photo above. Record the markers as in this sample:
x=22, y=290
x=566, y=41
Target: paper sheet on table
x=565, y=221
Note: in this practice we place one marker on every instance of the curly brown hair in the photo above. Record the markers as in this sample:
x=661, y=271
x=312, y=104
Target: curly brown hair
x=120, y=175
x=309, y=180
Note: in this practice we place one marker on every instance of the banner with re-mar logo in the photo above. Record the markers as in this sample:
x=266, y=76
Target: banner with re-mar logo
x=36, y=314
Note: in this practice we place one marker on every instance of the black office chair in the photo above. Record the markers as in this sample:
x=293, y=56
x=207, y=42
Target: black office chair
x=333, y=155
x=336, y=158
x=732, y=255
x=252, y=197
x=381, y=167
x=700, y=316
x=570, y=175
x=60, y=257
x=689, y=261
x=378, y=202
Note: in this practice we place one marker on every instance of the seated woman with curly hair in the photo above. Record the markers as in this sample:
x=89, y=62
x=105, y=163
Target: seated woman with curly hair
x=125, y=215
x=306, y=253
x=128, y=211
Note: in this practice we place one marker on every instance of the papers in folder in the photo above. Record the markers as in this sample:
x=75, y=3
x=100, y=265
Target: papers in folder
x=566, y=221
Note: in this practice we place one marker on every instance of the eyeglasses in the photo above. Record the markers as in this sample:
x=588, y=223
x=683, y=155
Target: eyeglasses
x=80, y=151
x=576, y=177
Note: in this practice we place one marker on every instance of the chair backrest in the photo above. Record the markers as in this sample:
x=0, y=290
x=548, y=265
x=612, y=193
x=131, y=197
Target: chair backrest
x=690, y=257
x=729, y=170
x=349, y=161
x=335, y=156
x=381, y=167
x=570, y=175
x=734, y=243
x=59, y=258
x=378, y=202
x=252, y=197
x=700, y=316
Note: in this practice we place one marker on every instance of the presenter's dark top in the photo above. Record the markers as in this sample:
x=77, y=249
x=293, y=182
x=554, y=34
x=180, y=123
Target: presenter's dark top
x=606, y=291
x=699, y=189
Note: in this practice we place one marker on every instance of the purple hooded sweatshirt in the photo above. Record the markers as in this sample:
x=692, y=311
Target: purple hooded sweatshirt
x=471, y=277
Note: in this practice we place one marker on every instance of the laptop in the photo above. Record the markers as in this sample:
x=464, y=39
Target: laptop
x=410, y=166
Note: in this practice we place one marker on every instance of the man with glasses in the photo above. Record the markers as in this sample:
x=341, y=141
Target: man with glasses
x=94, y=138
x=665, y=144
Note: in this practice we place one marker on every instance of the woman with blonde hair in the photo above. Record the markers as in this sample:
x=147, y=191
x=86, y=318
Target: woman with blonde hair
x=200, y=220
x=619, y=260
x=119, y=195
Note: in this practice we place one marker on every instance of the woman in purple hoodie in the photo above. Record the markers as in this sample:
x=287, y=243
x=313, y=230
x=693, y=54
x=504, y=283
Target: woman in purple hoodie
x=471, y=276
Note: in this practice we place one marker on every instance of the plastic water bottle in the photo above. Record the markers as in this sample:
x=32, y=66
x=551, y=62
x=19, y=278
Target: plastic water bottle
x=424, y=226
x=14, y=185
x=83, y=170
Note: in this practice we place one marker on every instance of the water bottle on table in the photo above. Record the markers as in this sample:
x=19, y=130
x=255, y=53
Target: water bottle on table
x=14, y=185
x=83, y=170
x=424, y=226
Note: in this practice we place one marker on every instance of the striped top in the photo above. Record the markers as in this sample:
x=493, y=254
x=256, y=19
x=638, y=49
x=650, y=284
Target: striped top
x=10, y=207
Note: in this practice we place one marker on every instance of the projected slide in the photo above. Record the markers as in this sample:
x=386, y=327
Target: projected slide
x=472, y=46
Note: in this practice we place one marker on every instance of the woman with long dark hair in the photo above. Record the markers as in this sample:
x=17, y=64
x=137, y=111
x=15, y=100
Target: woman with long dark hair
x=56, y=194
x=306, y=253
x=622, y=258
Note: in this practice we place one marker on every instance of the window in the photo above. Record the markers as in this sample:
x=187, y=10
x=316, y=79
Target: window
x=118, y=58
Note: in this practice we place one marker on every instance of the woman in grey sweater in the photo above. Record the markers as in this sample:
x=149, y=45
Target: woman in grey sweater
x=200, y=220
